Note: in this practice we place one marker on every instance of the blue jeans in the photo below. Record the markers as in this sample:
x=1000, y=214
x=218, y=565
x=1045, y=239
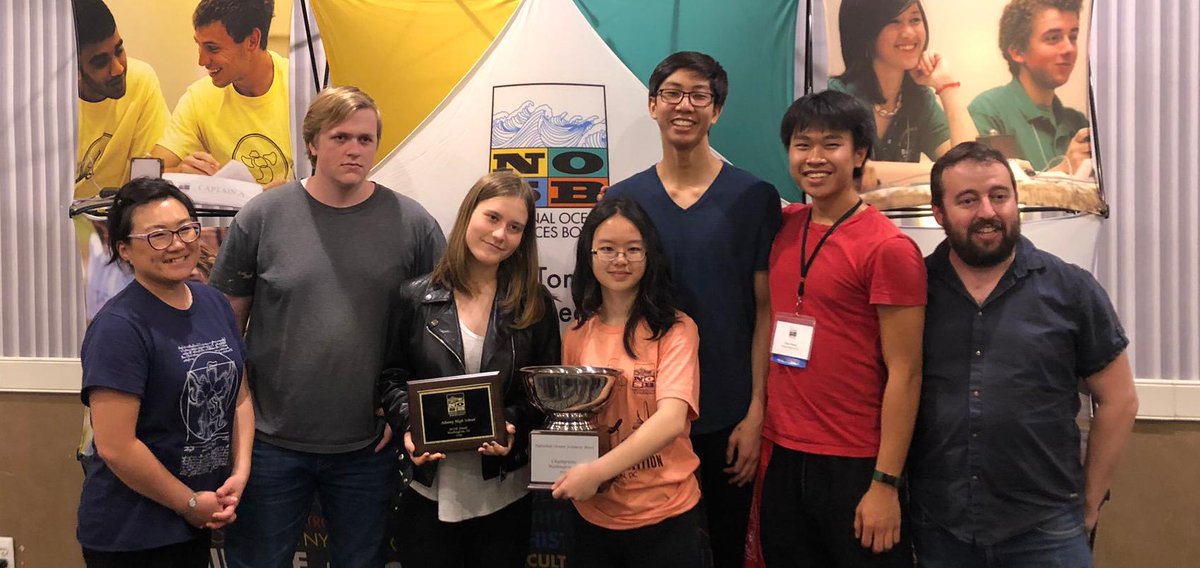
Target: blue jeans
x=353, y=488
x=1058, y=542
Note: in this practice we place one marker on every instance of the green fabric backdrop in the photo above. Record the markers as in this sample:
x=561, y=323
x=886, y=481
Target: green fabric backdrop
x=753, y=39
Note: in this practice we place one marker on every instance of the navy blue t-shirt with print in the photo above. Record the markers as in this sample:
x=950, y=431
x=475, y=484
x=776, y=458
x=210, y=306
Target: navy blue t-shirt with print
x=715, y=247
x=185, y=366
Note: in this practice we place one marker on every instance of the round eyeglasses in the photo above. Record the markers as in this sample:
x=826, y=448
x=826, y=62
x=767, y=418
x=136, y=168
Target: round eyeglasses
x=610, y=254
x=699, y=99
x=162, y=238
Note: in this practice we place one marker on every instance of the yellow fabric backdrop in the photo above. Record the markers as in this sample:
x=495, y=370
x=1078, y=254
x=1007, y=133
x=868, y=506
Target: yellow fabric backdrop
x=408, y=54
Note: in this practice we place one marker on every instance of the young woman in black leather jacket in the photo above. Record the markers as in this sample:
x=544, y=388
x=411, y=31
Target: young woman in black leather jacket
x=481, y=309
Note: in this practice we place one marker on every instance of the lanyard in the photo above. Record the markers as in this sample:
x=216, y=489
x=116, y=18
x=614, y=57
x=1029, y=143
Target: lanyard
x=806, y=264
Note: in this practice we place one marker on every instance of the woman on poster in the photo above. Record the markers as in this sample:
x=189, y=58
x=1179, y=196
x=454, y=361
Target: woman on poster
x=162, y=374
x=637, y=504
x=883, y=45
x=481, y=309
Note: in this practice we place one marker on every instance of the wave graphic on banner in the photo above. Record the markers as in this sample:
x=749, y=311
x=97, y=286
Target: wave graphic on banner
x=537, y=125
x=564, y=160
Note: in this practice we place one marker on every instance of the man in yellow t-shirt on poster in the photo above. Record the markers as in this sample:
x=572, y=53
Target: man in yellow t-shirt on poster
x=240, y=112
x=121, y=108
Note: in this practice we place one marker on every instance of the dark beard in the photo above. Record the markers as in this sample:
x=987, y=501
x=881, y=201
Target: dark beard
x=106, y=90
x=978, y=257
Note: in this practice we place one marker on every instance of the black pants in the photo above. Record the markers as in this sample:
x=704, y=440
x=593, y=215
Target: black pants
x=807, y=518
x=190, y=554
x=727, y=506
x=500, y=539
x=670, y=543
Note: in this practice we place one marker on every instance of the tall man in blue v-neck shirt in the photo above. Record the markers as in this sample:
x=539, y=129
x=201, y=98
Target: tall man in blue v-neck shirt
x=717, y=222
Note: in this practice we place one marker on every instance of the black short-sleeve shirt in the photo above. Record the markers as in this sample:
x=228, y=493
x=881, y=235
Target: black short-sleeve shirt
x=996, y=449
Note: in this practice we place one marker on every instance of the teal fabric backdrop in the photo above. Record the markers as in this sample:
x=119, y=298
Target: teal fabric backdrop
x=753, y=40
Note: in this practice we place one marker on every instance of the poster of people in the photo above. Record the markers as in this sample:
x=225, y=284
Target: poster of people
x=1013, y=73
x=200, y=93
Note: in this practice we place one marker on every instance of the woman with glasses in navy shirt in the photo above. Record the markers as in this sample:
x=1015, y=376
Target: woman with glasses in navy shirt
x=162, y=374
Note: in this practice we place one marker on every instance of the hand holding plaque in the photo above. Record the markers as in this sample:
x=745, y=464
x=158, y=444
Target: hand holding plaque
x=451, y=414
x=570, y=396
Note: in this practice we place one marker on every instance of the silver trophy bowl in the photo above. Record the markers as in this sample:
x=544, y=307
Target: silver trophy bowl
x=570, y=396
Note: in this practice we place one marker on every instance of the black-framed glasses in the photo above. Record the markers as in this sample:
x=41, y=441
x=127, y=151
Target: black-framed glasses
x=610, y=254
x=162, y=238
x=699, y=99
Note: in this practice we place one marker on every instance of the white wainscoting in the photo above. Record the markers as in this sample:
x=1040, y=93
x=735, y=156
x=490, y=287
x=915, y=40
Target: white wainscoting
x=1160, y=400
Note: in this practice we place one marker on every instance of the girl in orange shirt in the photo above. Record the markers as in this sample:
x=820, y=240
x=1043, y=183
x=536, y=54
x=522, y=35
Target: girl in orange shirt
x=646, y=513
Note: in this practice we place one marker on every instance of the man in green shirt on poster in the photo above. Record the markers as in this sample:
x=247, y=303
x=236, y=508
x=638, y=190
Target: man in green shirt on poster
x=1038, y=39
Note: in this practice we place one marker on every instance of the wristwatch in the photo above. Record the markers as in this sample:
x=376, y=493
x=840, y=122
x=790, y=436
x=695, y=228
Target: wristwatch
x=888, y=479
x=191, y=505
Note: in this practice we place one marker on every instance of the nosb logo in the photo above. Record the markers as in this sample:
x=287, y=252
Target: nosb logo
x=560, y=177
x=456, y=404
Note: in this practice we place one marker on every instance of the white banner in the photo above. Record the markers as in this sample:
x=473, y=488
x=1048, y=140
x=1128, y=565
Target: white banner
x=550, y=101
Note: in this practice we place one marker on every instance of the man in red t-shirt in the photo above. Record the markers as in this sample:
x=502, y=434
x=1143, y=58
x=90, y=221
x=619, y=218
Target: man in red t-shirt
x=848, y=291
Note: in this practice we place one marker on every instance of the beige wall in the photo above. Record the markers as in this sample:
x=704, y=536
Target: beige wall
x=39, y=477
x=1149, y=524
x=1153, y=517
x=160, y=33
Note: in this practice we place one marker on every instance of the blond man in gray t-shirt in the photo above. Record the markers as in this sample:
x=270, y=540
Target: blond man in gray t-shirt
x=309, y=266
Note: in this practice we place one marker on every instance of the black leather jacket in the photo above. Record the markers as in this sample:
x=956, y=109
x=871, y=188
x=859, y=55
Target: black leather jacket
x=424, y=341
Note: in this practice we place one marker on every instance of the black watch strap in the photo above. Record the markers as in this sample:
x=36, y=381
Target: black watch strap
x=889, y=479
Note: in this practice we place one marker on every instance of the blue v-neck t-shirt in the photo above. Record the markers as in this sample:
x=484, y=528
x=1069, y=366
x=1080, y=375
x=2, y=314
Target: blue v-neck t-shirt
x=715, y=247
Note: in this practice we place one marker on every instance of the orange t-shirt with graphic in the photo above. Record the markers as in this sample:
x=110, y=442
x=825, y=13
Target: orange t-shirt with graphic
x=664, y=485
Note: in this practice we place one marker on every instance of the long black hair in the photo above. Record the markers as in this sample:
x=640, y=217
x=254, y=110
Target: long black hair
x=859, y=24
x=655, y=301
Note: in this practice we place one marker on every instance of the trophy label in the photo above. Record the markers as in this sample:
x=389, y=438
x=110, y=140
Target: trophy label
x=552, y=453
x=456, y=413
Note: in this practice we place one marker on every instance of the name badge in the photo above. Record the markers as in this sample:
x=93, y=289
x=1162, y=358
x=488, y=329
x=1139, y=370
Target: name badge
x=791, y=340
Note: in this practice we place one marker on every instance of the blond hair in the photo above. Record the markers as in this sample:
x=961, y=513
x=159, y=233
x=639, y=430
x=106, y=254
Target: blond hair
x=524, y=299
x=334, y=106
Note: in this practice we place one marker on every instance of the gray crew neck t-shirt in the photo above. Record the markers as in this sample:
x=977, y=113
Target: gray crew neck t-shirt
x=321, y=279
